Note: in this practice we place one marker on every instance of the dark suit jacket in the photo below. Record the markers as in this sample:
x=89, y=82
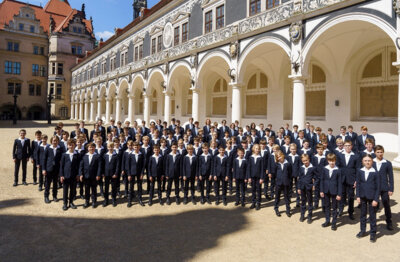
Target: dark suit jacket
x=306, y=180
x=173, y=169
x=136, y=168
x=156, y=168
x=21, y=152
x=68, y=168
x=220, y=168
x=92, y=170
x=349, y=171
x=239, y=172
x=331, y=185
x=386, y=175
x=205, y=168
x=190, y=170
x=360, y=142
x=282, y=176
x=370, y=188
x=110, y=168
x=51, y=162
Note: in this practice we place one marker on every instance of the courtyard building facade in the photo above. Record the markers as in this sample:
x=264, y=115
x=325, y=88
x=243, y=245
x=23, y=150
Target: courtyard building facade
x=332, y=63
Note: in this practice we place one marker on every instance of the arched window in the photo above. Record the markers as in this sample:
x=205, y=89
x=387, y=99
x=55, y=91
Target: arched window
x=316, y=93
x=140, y=109
x=256, y=95
x=219, y=97
x=153, y=100
x=63, y=112
x=378, y=86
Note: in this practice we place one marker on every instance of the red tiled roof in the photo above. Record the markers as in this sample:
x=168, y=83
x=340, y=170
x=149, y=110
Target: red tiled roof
x=60, y=10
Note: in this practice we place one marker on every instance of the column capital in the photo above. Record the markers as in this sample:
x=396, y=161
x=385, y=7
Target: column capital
x=396, y=64
x=195, y=89
x=297, y=77
x=131, y=95
x=236, y=85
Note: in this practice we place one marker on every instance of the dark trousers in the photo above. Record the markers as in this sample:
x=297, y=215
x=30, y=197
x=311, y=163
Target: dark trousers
x=41, y=183
x=306, y=199
x=255, y=190
x=278, y=190
x=34, y=171
x=69, y=186
x=230, y=183
x=272, y=187
x=90, y=189
x=386, y=205
x=101, y=185
x=126, y=184
x=240, y=194
x=367, y=204
x=349, y=191
x=152, y=184
x=296, y=188
x=113, y=181
x=205, y=184
x=220, y=182
x=330, y=204
x=131, y=192
x=16, y=170
x=81, y=187
x=317, y=196
x=51, y=177
x=175, y=181
x=189, y=180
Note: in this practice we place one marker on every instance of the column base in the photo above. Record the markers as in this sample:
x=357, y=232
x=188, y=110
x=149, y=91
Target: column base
x=396, y=162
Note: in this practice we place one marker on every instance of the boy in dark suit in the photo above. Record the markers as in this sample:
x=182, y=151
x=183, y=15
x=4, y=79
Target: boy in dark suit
x=110, y=171
x=294, y=160
x=239, y=176
x=204, y=174
x=361, y=139
x=256, y=173
x=173, y=172
x=21, y=153
x=220, y=173
x=189, y=173
x=51, y=168
x=368, y=189
x=34, y=151
x=330, y=190
x=90, y=173
x=319, y=162
x=385, y=171
x=282, y=182
x=69, y=168
x=40, y=158
x=136, y=171
x=125, y=165
x=155, y=173
x=306, y=184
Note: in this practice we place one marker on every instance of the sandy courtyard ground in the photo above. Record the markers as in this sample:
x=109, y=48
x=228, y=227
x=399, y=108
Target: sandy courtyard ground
x=30, y=230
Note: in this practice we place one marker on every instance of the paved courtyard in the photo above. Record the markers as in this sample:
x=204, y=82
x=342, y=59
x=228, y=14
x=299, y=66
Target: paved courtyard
x=30, y=230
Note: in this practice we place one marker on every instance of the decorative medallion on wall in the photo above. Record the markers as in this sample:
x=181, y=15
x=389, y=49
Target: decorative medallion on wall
x=168, y=35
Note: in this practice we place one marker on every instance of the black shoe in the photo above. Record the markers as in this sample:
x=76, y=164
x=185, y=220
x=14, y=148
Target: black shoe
x=114, y=203
x=389, y=227
x=168, y=201
x=230, y=192
x=309, y=220
x=351, y=216
x=72, y=205
x=24, y=183
x=208, y=201
x=65, y=207
x=253, y=205
x=217, y=202
x=55, y=199
x=15, y=184
x=129, y=204
x=258, y=207
x=119, y=194
x=361, y=234
x=236, y=203
x=315, y=207
x=326, y=224
x=86, y=205
x=301, y=219
x=94, y=205
x=150, y=203
x=161, y=202
x=277, y=213
x=202, y=201
x=224, y=202
x=82, y=197
x=372, y=238
x=141, y=203
x=105, y=203
x=35, y=183
x=40, y=188
x=193, y=201
x=146, y=192
x=243, y=204
x=340, y=213
x=185, y=201
x=46, y=200
x=333, y=227
x=178, y=201
x=297, y=205
x=288, y=214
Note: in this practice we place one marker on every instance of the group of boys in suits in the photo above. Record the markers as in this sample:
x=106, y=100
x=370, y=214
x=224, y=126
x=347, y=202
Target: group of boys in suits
x=305, y=163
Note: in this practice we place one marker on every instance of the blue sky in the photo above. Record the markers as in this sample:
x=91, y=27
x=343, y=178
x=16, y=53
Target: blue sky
x=107, y=14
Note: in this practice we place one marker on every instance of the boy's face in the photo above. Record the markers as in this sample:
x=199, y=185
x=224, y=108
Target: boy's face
x=331, y=163
x=367, y=162
x=190, y=151
x=174, y=148
x=364, y=132
x=110, y=149
x=306, y=145
x=263, y=146
x=379, y=154
x=306, y=161
x=221, y=151
x=71, y=147
x=44, y=141
x=241, y=153
x=156, y=151
x=130, y=147
x=55, y=142
x=91, y=149
x=145, y=142
x=369, y=146
x=330, y=132
x=287, y=141
x=98, y=141
x=347, y=147
x=116, y=144
x=163, y=143
x=295, y=128
x=339, y=144
x=257, y=150
x=320, y=151
x=38, y=136
x=293, y=150
x=22, y=134
x=301, y=135
x=244, y=145
x=79, y=143
x=205, y=150
x=281, y=158
x=343, y=131
x=136, y=148
x=350, y=129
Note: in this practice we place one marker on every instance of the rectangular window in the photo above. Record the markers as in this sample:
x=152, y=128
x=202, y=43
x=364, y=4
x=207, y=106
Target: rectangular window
x=141, y=51
x=136, y=53
x=159, y=43
x=41, y=50
x=53, y=68
x=51, y=89
x=43, y=71
x=35, y=70
x=272, y=3
x=38, y=90
x=16, y=68
x=35, y=50
x=16, y=47
x=208, y=22
x=74, y=29
x=21, y=27
x=184, y=32
x=31, y=89
x=59, y=69
x=153, y=45
x=113, y=64
x=32, y=29
x=122, y=59
x=59, y=91
x=10, y=46
x=176, y=36
x=10, y=89
x=8, y=67
x=255, y=7
x=103, y=68
x=17, y=88
x=220, y=17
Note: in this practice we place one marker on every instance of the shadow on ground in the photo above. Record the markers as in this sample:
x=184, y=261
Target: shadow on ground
x=177, y=237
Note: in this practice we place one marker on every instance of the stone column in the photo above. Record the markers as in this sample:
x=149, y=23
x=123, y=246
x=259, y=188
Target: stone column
x=108, y=107
x=99, y=108
x=146, y=108
x=167, y=107
x=236, y=103
x=81, y=110
x=396, y=161
x=76, y=111
x=92, y=111
x=195, y=104
x=131, y=109
x=72, y=111
x=117, y=109
x=299, y=102
x=87, y=110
